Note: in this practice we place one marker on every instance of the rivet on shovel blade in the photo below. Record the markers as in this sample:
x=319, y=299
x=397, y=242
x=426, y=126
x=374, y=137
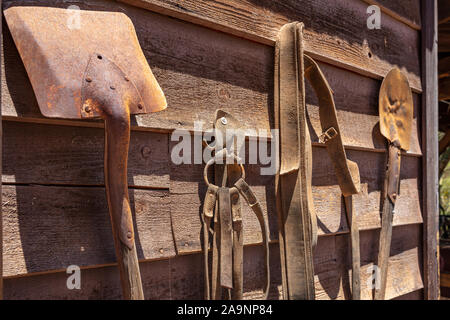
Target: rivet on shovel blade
x=129, y=235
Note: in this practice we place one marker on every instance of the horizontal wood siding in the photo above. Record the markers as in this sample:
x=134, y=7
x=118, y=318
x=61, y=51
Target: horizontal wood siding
x=215, y=54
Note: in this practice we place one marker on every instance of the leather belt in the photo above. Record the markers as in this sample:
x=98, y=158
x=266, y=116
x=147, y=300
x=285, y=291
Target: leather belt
x=297, y=218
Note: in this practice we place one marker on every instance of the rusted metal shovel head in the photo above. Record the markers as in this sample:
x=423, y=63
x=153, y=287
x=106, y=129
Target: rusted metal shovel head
x=396, y=109
x=56, y=54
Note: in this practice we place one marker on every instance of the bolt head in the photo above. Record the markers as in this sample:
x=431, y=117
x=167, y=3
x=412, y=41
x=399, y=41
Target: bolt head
x=129, y=235
x=224, y=121
x=145, y=151
x=140, y=106
x=87, y=109
x=88, y=79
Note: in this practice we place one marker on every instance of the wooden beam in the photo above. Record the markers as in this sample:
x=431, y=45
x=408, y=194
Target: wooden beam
x=1, y=217
x=430, y=147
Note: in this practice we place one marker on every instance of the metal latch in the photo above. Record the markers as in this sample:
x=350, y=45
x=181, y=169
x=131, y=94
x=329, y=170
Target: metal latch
x=328, y=135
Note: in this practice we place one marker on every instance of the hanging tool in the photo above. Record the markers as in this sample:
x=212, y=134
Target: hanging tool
x=222, y=206
x=297, y=218
x=95, y=69
x=396, y=114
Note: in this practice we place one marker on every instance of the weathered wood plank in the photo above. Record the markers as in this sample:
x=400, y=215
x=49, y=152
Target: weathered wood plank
x=177, y=278
x=193, y=81
x=188, y=190
x=1, y=168
x=182, y=277
x=405, y=262
x=70, y=213
x=336, y=32
x=48, y=228
x=416, y=295
x=48, y=154
x=430, y=165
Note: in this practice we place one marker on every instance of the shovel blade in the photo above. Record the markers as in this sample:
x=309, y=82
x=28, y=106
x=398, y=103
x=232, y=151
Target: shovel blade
x=56, y=45
x=396, y=108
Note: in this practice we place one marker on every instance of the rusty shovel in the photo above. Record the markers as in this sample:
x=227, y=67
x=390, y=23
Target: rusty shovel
x=396, y=115
x=89, y=69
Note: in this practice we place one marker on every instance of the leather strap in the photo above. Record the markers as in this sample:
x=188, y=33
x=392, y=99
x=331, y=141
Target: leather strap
x=347, y=171
x=253, y=203
x=293, y=190
x=238, y=246
x=226, y=238
x=298, y=225
x=227, y=269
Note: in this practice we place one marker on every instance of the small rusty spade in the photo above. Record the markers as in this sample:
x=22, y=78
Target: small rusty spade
x=93, y=68
x=396, y=115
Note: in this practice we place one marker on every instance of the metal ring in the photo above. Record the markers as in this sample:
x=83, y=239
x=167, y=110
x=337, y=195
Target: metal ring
x=224, y=155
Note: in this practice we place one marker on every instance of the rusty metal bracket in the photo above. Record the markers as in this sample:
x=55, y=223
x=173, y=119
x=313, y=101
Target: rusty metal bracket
x=108, y=93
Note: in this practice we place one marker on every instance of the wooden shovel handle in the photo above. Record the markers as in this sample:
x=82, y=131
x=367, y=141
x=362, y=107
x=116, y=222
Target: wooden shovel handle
x=391, y=192
x=117, y=138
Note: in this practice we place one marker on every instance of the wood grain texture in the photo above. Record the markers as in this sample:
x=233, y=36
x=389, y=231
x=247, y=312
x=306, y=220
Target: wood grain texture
x=195, y=84
x=175, y=278
x=182, y=277
x=50, y=228
x=49, y=154
x=55, y=196
x=188, y=189
x=405, y=262
x=39, y=215
x=1, y=166
x=336, y=32
x=430, y=125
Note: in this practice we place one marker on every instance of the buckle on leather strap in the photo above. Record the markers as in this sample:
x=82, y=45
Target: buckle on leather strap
x=328, y=135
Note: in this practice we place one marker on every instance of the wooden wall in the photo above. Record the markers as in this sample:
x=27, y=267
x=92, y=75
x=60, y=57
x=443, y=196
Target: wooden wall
x=209, y=54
